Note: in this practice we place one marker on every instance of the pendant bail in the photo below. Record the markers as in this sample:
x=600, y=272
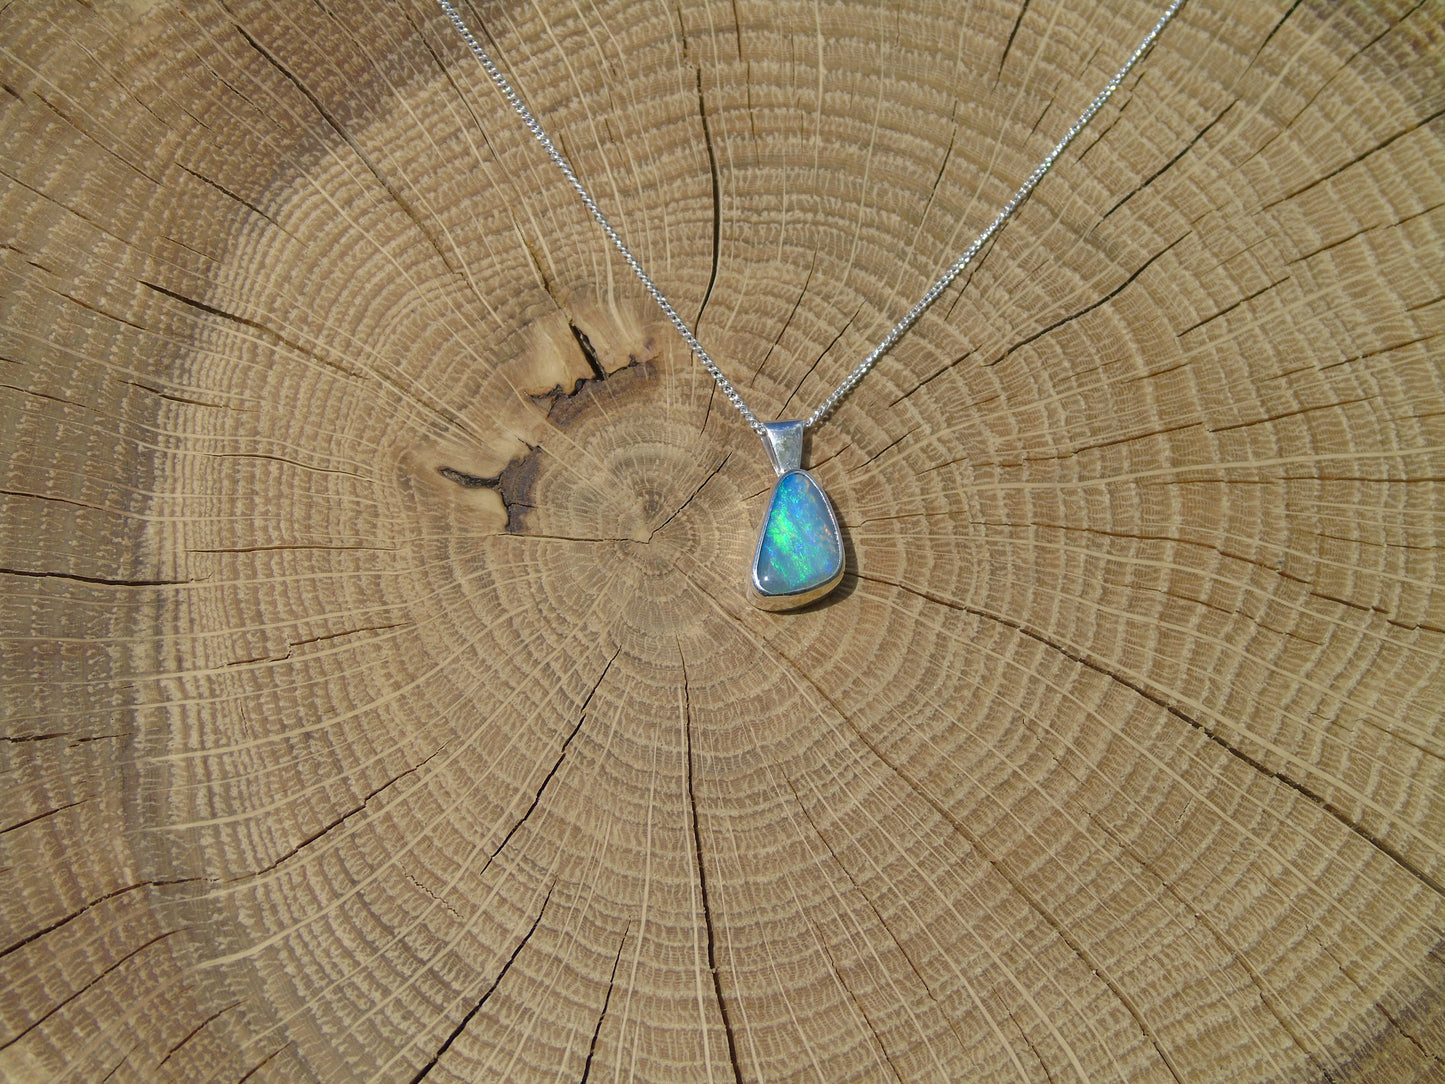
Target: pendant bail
x=784, y=442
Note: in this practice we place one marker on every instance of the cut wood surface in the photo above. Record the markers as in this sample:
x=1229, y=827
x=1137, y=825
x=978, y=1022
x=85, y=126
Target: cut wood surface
x=381, y=699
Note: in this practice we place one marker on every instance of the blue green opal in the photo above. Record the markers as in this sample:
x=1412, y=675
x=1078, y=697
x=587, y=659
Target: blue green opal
x=799, y=549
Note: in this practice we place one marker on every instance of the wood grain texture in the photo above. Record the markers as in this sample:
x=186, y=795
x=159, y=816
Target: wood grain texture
x=380, y=697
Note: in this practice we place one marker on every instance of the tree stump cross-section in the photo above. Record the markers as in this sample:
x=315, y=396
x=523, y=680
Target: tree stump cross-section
x=381, y=699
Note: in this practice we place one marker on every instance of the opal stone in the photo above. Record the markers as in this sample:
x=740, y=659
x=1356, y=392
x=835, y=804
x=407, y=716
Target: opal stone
x=799, y=555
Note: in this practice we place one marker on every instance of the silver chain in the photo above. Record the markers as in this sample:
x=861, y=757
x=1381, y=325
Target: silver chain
x=909, y=318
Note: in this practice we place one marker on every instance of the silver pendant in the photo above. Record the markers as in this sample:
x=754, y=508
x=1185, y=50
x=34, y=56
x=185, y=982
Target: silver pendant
x=799, y=553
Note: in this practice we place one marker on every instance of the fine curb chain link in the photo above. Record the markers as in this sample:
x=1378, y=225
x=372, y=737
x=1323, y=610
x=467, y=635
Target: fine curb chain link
x=909, y=318
x=515, y=100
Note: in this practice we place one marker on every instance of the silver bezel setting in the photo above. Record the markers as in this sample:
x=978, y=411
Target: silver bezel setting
x=772, y=602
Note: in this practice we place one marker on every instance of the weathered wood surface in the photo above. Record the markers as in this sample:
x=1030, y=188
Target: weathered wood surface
x=380, y=695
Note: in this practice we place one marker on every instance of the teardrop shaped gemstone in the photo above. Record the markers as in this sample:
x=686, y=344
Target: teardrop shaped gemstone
x=799, y=556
